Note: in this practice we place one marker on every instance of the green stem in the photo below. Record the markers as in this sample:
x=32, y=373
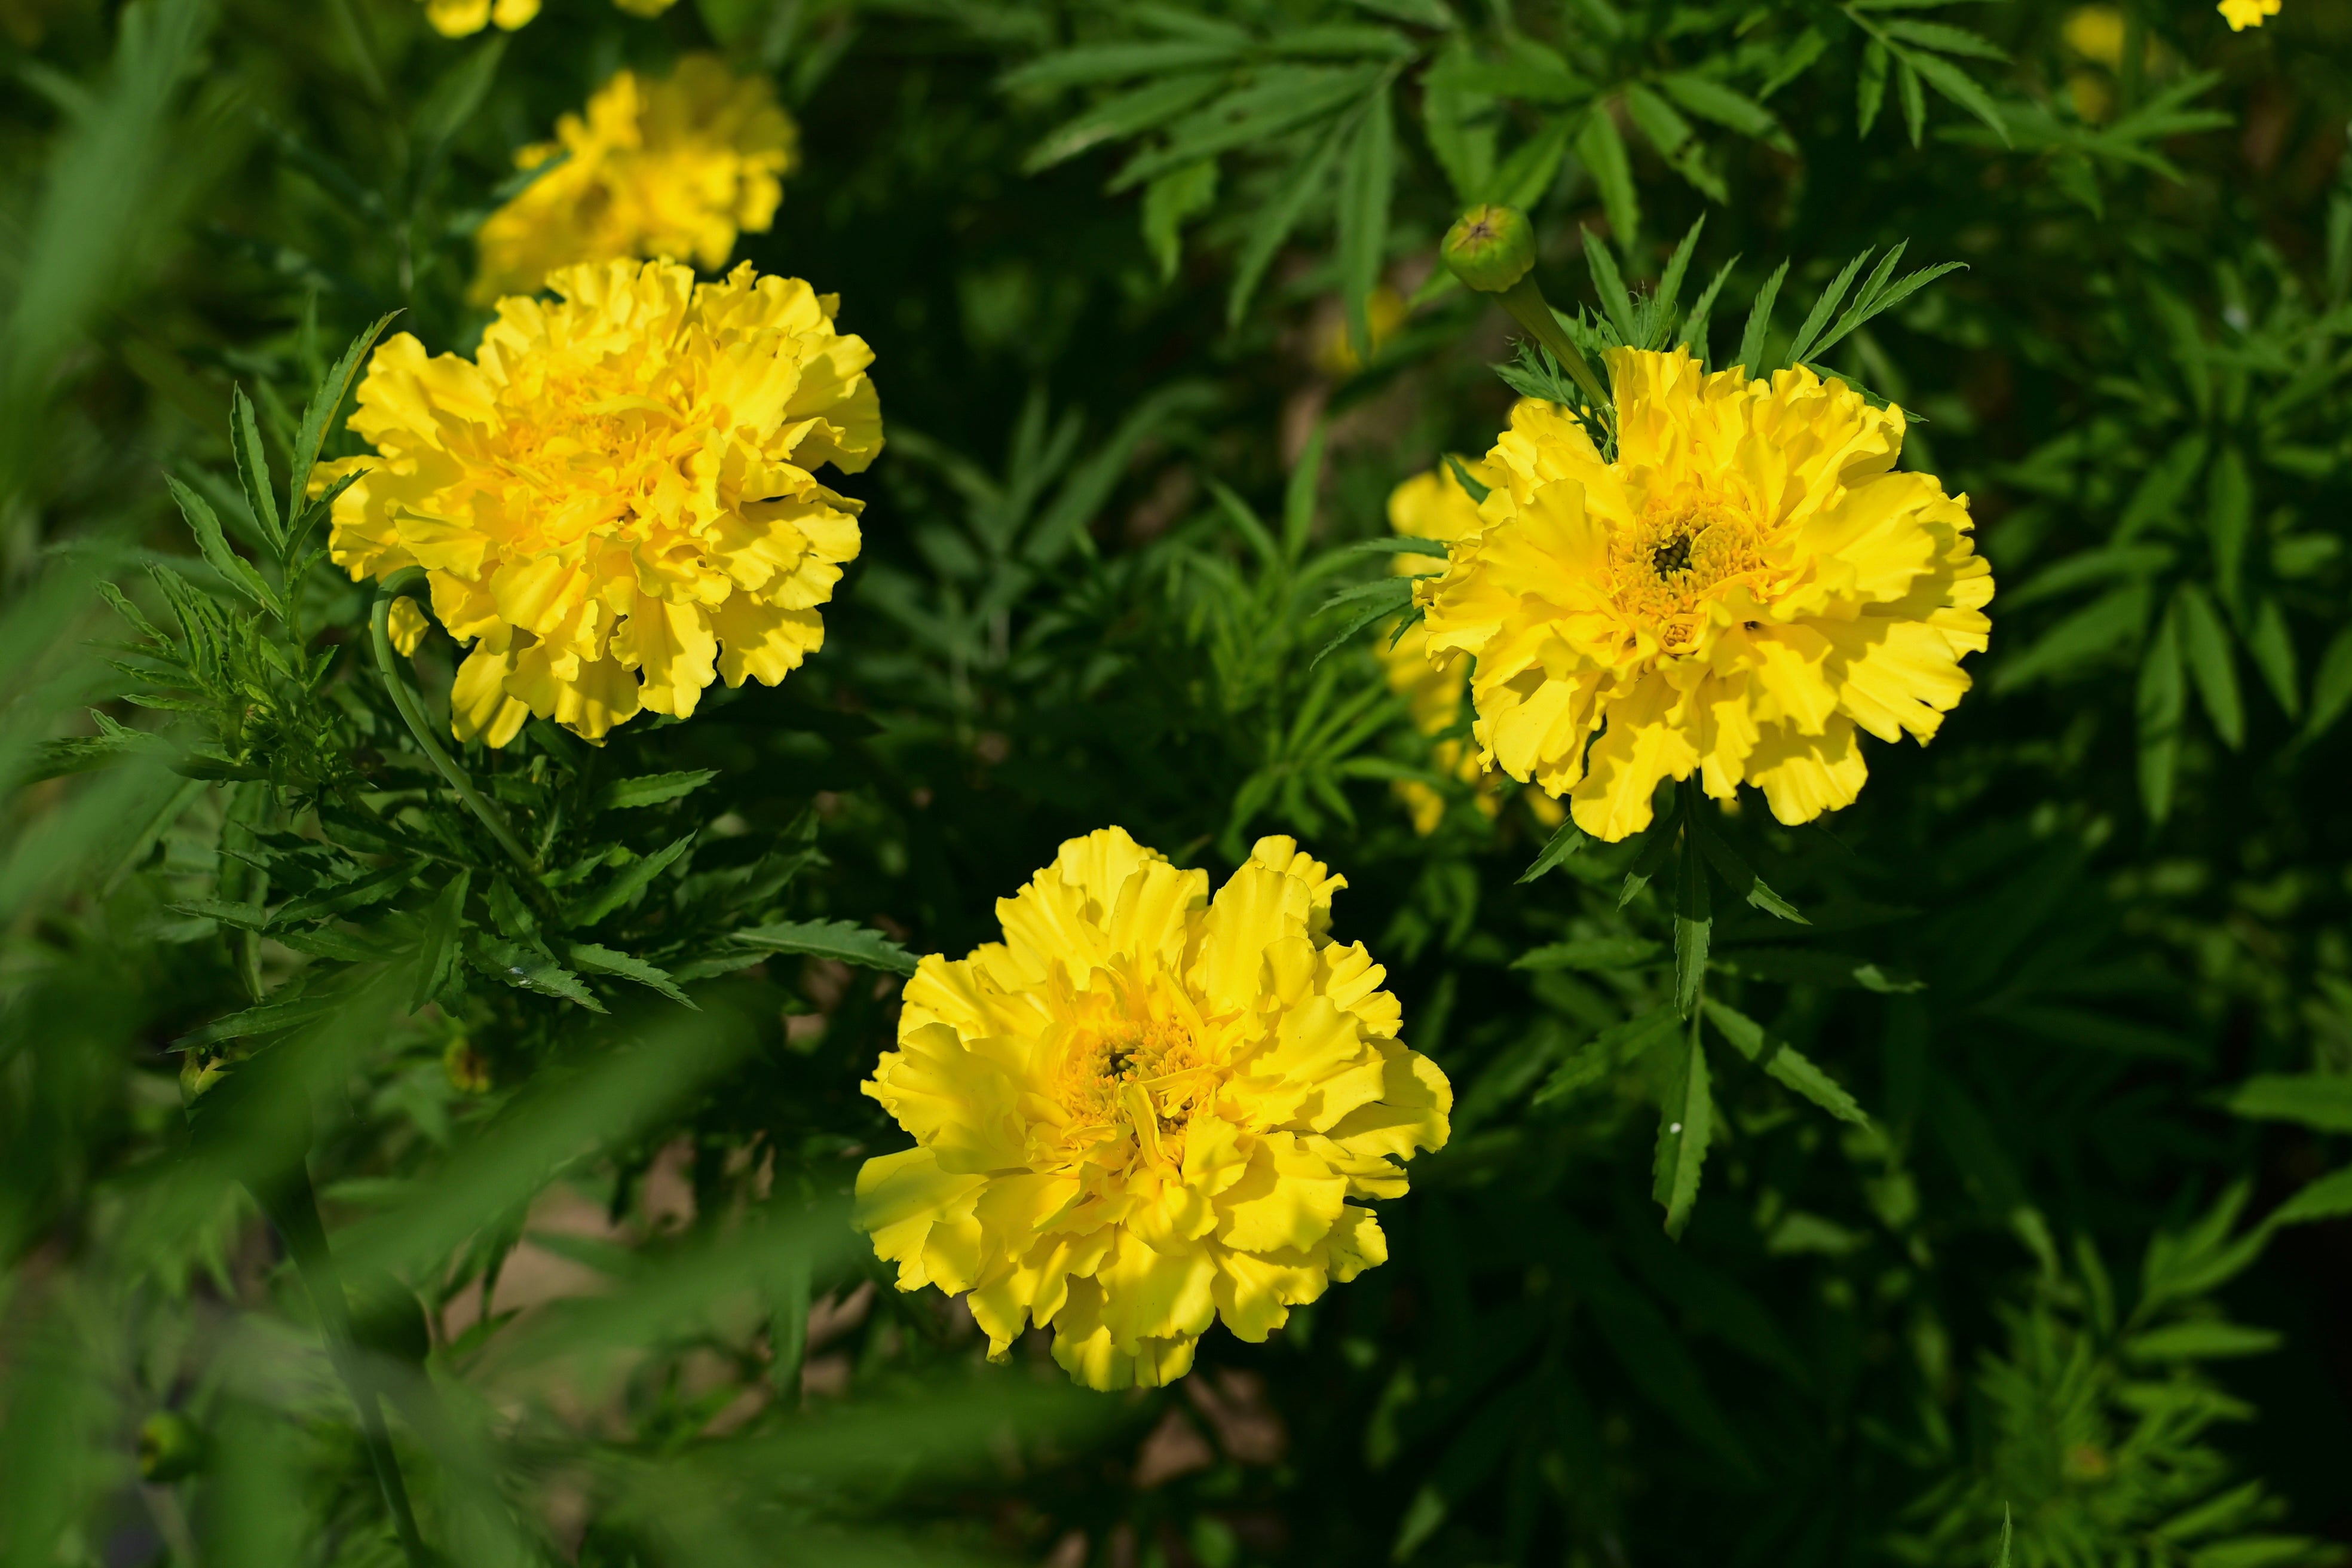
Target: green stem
x=1694, y=917
x=1528, y=306
x=406, y=580
x=295, y=1212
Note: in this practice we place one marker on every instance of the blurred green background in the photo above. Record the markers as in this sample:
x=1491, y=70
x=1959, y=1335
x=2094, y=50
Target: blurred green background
x=2085, y=962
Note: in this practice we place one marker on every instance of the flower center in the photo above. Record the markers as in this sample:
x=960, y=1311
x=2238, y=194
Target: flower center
x=595, y=449
x=1678, y=556
x=1131, y=1081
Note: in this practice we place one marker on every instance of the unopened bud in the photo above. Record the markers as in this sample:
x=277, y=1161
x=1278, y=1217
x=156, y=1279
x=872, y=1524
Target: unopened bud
x=1490, y=247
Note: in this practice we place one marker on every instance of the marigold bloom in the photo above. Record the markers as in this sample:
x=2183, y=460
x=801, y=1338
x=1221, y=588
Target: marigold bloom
x=1435, y=506
x=1745, y=583
x=2243, y=14
x=460, y=18
x=674, y=166
x=615, y=500
x=1145, y=1109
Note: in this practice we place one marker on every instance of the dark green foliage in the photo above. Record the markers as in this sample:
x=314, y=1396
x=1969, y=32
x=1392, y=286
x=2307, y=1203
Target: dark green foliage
x=1959, y=1180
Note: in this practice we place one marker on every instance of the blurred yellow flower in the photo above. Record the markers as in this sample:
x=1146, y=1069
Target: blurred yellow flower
x=1745, y=583
x=2243, y=14
x=676, y=166
x=459, y=18
x=1435, y=506
x=614, y=500
x=1145, y=1109
x=1335, y=350
x=2097, y=33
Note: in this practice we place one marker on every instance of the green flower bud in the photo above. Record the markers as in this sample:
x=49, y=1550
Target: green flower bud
x=169, y=1448
x=1490, y=247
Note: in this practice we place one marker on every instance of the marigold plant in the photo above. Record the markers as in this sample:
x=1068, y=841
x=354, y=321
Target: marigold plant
x=1144, y=1110
x=1747, y=581
x=674, y=166
x=614, y=500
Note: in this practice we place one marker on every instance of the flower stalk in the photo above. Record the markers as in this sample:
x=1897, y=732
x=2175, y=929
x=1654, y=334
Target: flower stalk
x=408, y=580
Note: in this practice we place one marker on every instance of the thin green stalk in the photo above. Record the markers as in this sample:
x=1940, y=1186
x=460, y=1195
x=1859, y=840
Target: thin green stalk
x=295, y=1212
x=419, y=725
x=1528, y=306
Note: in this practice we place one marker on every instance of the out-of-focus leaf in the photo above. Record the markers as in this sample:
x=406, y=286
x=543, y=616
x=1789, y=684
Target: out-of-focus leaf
x=1278, y=218
x=2205, y=645
x=2330, y=1197
x=2161, y=701
x=2097, y=628
x=2314, y=1099
x=2273, y=648
x=1602, y=151
x=1367, y=179
x=2331, y=686
x=1598, y=953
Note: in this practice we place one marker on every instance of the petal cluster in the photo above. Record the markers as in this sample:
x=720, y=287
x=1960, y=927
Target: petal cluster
x=671, y=167
x=1146, y=1110
x=1744, y=585
x=1435, y=506
x=2243, y=14
x=614, y=500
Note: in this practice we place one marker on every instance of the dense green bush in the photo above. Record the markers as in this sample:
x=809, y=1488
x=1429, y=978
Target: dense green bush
x=2064, y=1281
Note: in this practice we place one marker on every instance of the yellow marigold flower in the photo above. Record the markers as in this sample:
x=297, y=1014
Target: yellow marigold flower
x=1144, y=1110
x=615, y=500
x=1435, y=506
x=2243, y=14
x=1745, y=583
x=678, y=166
x=460, y=18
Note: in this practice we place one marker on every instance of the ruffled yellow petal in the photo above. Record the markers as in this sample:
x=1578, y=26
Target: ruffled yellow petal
x=406, y=623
